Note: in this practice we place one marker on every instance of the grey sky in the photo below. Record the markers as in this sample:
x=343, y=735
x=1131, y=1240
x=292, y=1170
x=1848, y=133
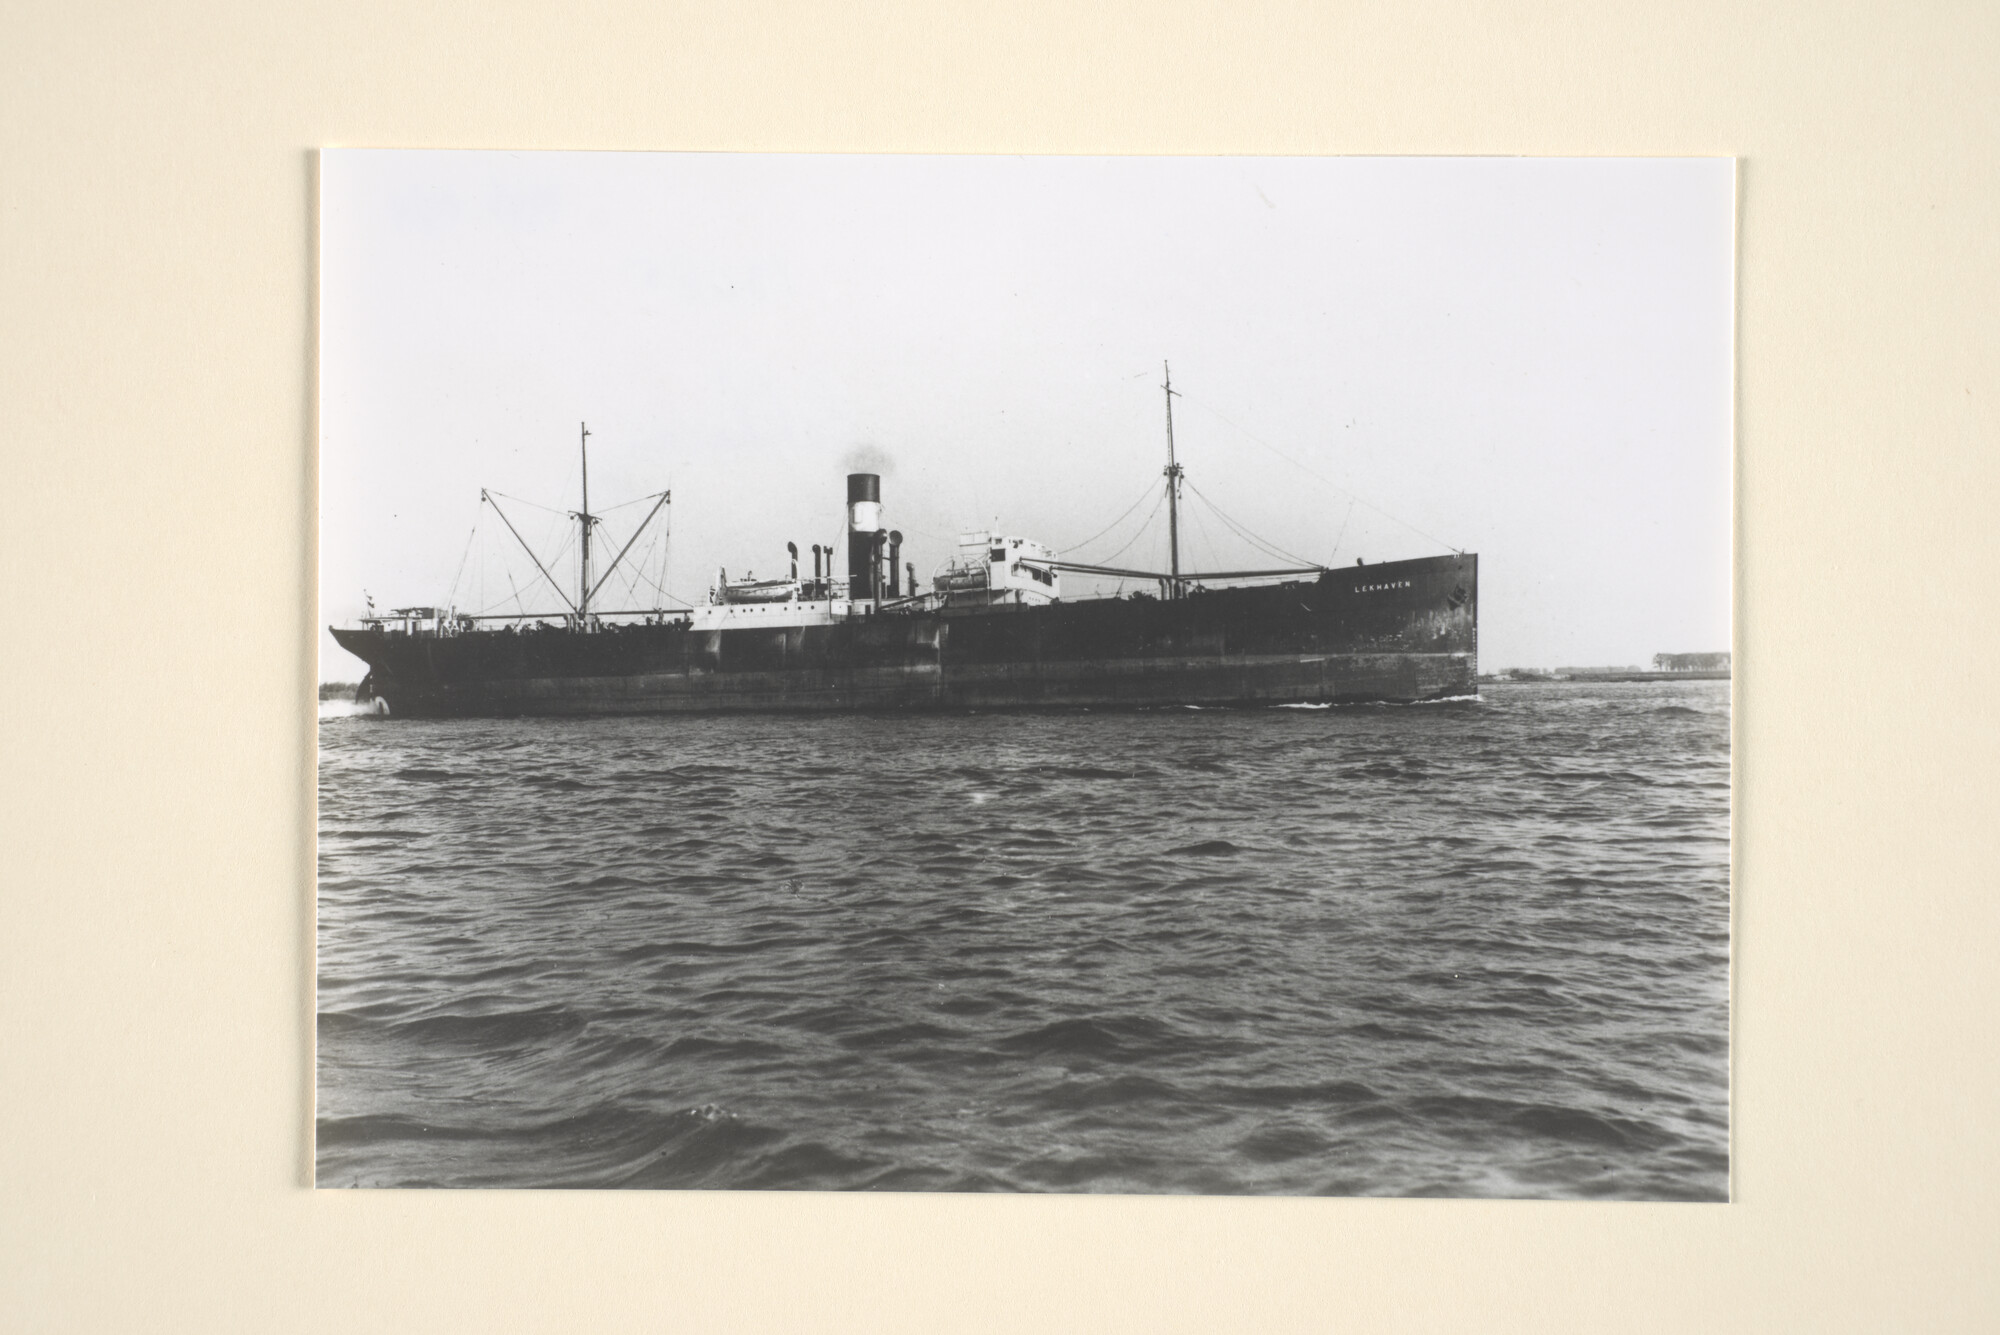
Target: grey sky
x=1526, y=358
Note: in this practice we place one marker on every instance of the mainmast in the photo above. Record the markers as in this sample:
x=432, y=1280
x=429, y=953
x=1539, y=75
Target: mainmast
x=584, y=518
x=1173, y=472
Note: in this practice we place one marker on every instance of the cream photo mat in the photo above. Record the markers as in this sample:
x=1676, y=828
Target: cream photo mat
x=157, y=198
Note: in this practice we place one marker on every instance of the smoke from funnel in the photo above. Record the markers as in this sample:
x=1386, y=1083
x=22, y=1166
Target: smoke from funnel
x=868, y=459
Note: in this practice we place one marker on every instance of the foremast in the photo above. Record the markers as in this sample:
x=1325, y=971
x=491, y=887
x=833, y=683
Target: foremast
x=587, y=589
x=585, y=522
x=1173, y=475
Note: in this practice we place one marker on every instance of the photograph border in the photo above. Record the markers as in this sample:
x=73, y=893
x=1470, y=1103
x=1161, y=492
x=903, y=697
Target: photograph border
x=1601, y=226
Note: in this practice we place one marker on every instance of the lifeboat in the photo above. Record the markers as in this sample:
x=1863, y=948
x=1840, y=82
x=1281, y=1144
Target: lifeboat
x=760, y=591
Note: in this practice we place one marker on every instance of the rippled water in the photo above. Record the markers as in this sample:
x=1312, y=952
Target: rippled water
x=1473, y=949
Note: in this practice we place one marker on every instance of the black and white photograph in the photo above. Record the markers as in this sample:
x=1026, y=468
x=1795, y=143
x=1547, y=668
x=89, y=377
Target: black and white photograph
x=1054, y=674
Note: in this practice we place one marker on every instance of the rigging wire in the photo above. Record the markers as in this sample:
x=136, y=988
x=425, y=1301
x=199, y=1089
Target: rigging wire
x=569, y=532
x=623, y=572
x=1340, y=535
x=1077, y=547
x=666, y=556
x=530, y=504
x=1313, y=472
x=1261, y=546
x=658, y=586
x=646, y=561
x=514, y=597
x=937, y=538
x=1201, y=531
x=627, y=504
x=568, y=542
x=1268, y=548
x=634, y=571
x=639, y=568
x=514, y=591
x=666, y=559
x=618, y=574
x=630, y=572
x=1243, y=532
x=452, y=592
x=1150, y=517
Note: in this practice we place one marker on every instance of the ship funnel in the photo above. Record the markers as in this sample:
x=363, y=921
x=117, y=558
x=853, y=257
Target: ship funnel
x=864, y=517
x=793, y=548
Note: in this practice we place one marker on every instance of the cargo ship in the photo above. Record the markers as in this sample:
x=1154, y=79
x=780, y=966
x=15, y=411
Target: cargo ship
x=991, y=631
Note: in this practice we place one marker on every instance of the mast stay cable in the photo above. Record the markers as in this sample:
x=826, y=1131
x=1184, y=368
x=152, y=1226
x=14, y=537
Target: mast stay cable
x=665, y=496
x=1079, y=546
x=452, y=592
x=1151, y=515
x=1315, y=473
x=1340, y=536
x=487, y=497
x=530, y=504
x=1263, y=545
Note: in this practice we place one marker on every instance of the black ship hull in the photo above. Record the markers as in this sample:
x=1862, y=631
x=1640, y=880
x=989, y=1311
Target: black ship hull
x=1400, y=631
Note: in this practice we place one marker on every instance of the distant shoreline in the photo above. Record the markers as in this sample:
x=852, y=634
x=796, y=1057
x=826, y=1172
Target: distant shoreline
x=1552, y=680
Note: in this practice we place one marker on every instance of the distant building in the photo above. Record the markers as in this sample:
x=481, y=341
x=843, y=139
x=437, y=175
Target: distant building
x=1690, y=662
